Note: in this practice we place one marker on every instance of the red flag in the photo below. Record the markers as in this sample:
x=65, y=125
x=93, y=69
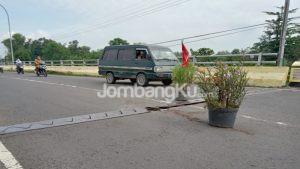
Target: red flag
x=185, y=55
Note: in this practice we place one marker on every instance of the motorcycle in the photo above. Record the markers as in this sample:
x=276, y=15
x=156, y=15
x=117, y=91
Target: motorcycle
x=42, y=70
x=20, y=68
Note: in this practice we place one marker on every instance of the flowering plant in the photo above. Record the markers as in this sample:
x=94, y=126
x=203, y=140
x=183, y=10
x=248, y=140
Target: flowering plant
x=223, y=86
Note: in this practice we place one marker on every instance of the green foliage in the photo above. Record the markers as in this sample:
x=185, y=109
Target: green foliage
x=184, y=74
x=235, y=51
x=202, y=52
x=54, y=51
x=292, y=49
x=118, y=41
x=223, y=86
x=270, y=40
x=22, y=54
x=28, y=49
x=18, y=46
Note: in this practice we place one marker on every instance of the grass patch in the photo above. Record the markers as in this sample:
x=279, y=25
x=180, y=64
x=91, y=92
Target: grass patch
x=69, y=73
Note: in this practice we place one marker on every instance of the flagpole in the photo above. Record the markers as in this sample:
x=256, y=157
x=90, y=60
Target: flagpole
x=182, y=54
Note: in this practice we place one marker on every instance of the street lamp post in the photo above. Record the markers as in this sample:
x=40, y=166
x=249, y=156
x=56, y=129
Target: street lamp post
x=9, y=30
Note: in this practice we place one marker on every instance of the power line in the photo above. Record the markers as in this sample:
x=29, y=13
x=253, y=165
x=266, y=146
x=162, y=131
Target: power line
x=212, y=37
x=112, y=17
x=292, y=18
x=207, y=34
x=212, y=33
x=121, y=19
x=130, y=16
x=109, y=15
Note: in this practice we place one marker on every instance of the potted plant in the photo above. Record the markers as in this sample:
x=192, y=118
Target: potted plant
x=223, y=87
x=183, y=75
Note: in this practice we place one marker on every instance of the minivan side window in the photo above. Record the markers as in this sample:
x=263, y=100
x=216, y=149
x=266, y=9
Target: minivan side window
x=110, y=54
x=126, y=54
x=141, y=53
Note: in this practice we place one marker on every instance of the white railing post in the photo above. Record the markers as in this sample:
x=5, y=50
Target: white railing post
x=194, y=59
x=259, y=59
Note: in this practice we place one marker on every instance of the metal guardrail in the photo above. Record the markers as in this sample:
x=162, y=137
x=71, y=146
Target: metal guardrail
x=90, y=62
x=254, y=59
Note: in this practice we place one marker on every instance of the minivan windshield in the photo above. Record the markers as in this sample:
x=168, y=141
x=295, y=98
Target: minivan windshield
x=163, y=54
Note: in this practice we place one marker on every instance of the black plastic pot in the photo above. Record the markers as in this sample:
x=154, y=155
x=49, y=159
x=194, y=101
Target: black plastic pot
x=222, y=117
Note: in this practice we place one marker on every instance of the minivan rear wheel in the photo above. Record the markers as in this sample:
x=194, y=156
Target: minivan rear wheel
x=142, y=80
x=166, y=82
x=110, y=78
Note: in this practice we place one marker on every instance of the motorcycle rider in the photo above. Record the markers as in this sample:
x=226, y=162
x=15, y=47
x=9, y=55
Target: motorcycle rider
x=19, y=66
x=18, y=62
x=37, y=62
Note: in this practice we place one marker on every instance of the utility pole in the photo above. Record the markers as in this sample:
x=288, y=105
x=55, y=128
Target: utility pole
x=283, y=33
x=9, y=31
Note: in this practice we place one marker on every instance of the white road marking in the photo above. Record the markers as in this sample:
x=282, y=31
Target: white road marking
x=281, y=123
x=268, y=121
x=8, y=159
x=271, y=91
x=58, y=84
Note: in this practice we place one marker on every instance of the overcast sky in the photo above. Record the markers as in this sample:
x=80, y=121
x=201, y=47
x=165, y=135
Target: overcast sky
x=94, y=23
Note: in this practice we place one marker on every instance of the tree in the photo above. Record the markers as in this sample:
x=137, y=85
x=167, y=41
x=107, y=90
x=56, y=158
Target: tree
x=73, y=47
x=28, y=49
x=235, y=51
x=22, y=54
x=54, y=51
x=202, y=51
x=118, y=41
x=270, y=40
x=18, y=41
x=84, y=52
x=95, y=54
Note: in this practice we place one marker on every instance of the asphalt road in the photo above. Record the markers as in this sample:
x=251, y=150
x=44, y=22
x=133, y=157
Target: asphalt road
x=266, y=134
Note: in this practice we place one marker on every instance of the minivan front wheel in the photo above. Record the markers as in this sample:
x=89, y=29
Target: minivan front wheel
x=110, y=78
x=142, y=80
